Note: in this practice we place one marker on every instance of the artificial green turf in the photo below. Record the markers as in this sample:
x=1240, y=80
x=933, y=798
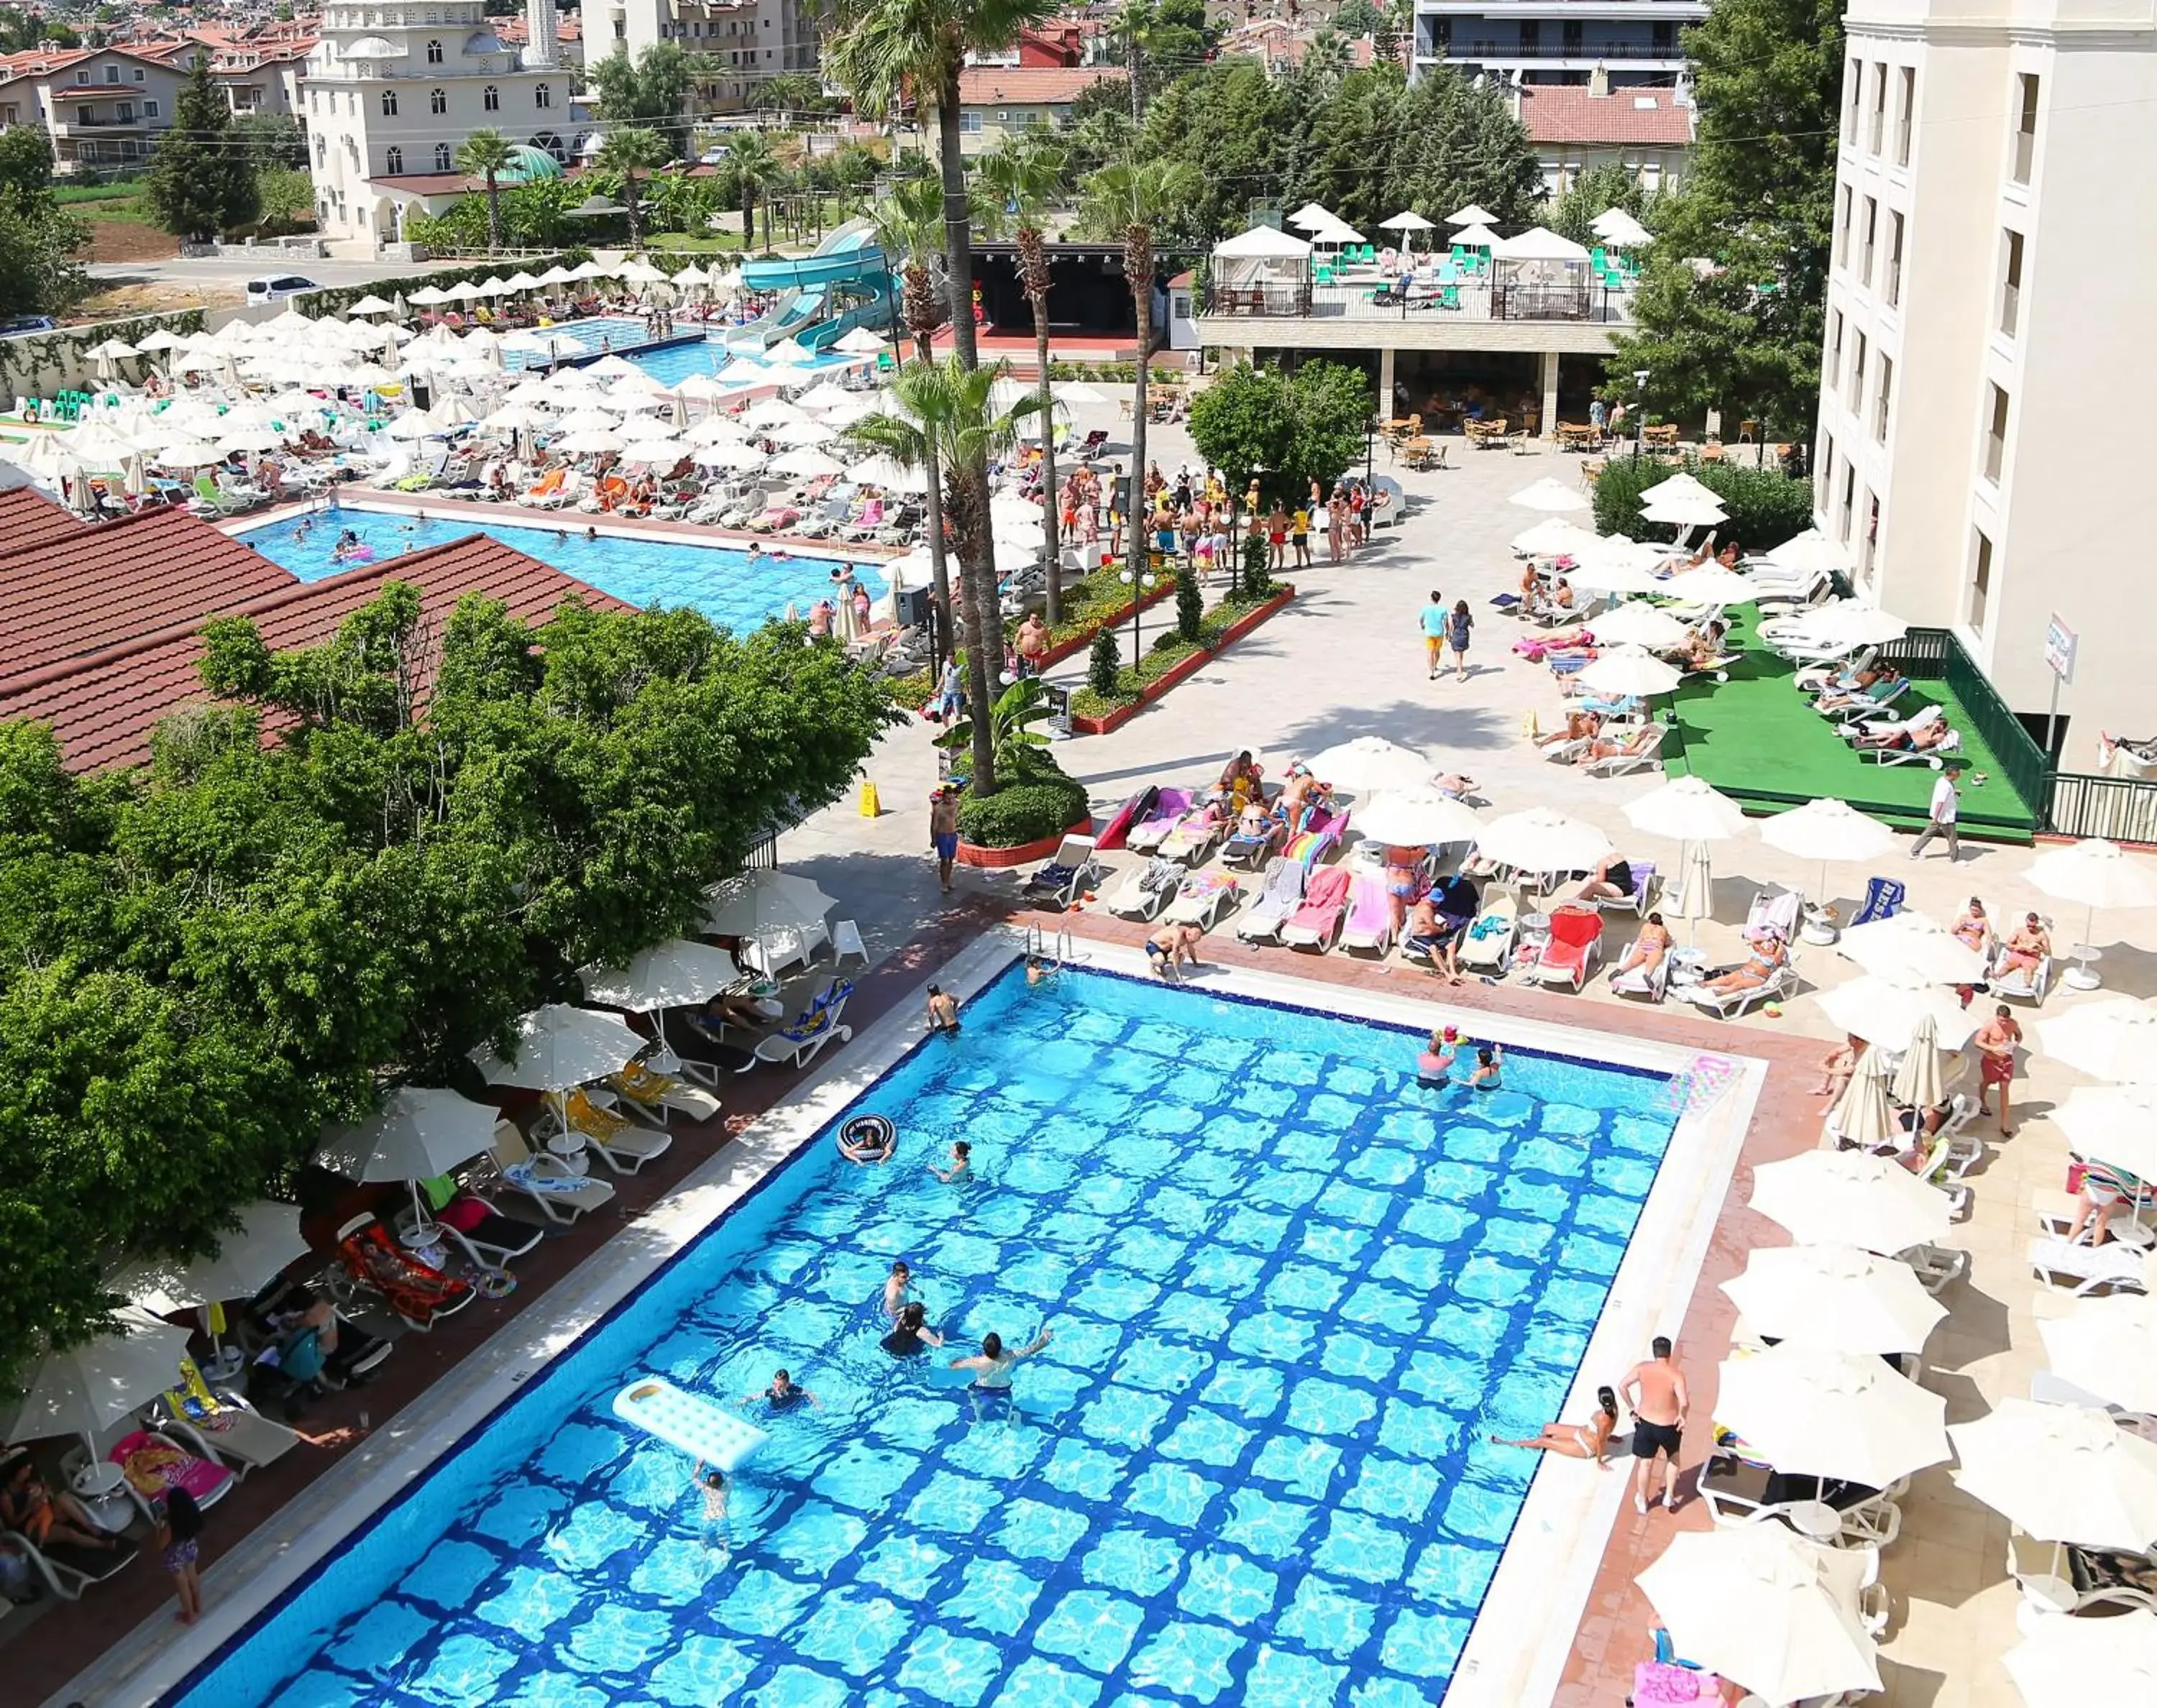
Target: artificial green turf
x=1756, y=738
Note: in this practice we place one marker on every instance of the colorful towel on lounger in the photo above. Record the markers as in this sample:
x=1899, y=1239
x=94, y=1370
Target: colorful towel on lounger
x=416, y=1291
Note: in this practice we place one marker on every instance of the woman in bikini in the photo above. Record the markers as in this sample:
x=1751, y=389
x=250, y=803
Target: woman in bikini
x=1585, y=1441
x=1974, y=930
x=1648, y=948
x=1767, y=958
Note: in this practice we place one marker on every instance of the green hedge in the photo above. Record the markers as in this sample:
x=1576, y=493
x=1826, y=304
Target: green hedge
x=1766, y=505
x=1024, y=812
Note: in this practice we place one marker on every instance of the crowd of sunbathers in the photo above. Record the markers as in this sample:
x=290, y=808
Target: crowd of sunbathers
x=1861, y=698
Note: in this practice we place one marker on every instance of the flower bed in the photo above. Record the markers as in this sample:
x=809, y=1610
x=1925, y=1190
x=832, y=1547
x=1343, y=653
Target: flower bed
x=1097, y=714
x=1026, y=854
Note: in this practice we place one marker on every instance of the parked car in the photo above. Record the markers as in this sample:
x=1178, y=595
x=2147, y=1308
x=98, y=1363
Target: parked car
x=15, y=325
x=278, y=287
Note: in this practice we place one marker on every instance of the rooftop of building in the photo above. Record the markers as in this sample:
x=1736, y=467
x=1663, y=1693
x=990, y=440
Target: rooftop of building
x=1569, y=113
x=1029, y=85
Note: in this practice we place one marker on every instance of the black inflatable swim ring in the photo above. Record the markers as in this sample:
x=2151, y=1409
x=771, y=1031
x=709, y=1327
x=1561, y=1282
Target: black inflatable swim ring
x=869, y=1132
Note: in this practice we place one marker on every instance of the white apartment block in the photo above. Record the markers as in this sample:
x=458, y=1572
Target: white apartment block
x=392, y=90
x=1561, y=42
x=747, y=40
x=1987, y=338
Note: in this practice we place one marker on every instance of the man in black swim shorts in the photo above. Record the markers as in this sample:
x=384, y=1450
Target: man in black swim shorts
x=1656, y=1389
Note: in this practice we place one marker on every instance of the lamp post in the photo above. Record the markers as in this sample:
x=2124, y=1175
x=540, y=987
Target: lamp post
x=1639, y=413
x=1370, y=450
x=1143, y=585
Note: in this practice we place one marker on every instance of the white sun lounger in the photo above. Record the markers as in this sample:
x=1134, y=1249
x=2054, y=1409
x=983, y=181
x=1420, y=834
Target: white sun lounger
x=561, y=1193
x=1145, y=889
x=2082, y=1269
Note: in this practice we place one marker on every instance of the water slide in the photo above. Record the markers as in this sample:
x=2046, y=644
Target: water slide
x=823, y=295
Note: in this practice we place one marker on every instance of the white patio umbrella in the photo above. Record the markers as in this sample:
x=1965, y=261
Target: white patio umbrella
x=2113, y=1125
x=2114, y=1040
x=1310, y=213
x=1620, y=229
x=1847, y=1196
x=1406, y=223
x=418, y=1132
x=1686, y=810
x=1914, y=942
x=1553, y=537
x=795, y=433
x=700, y=389
x=692, y=274
x=676, y=973
x=1813, y=1413
x=807, y=464
x=1077, y=394
x=2107, y=1345
x=245, y=1260
x=1370, y=764
x=744, y=370
x=772, y=412
x=427, y=296
x=523, y=281
x=2070, y=1663
x=766, y=905
x=561, y=1046
x=1550, y=494
x=2062, y=1473
x=414, y=424
x=186, y=453
x=1418, y=818
x=1863, y=1116
x=1835, y=1297
x=1472, y=214
x=789, y=352
x=882, y=470
x=1629, y=670
x=1808, y=553
x=1477, y=235
x=860, y=341
x=1640, y=625
x=588, y=418
x=2097, y=874
x=1762, y=1606
x=1828, y=830
x=83, y=1389
x=1918, y=1084
x=1852, y=623
x=159, y=338
x=824, y=396
x=1678, y=485
x=736, y=454
x=589, y=441
x=1884, y=1009
x=651, y=450
x=1609, y=573
x=1541, y=839
x=1710, y=584
x=1682, y=512
x=614, y=367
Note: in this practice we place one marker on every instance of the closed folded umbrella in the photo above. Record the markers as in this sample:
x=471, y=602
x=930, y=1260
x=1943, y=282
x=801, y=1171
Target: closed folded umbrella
x=1540, y=840
x=1919, y=1084
x=2107, y=1345
x=87, y=1389
x=1915, y=942
x=1418, y=818
x=1551, y=494
x=1836, y=1415
x=1835, y=1297
x=1862, y=1116
x=1852, y=1198
x=2115, y=1039
x=1370, y=764
x=2068, y=1663
x=245, y=1260
x=1766, y=1608
x=1630, y=670
x=1884, y=1009
x=2062, y=1473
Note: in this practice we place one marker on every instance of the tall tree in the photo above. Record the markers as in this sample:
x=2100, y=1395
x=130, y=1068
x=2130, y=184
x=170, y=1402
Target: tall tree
x=633, y=153
x=1572, y=212
x=1123, y=202
x=910, y=228
x=200, y=183
x=652, y=90
x=484, y=154
x=755, y=169
x=889, y=51
x=1743, y=332
x=40, y=272
x=1019, y=180
x=948, y=411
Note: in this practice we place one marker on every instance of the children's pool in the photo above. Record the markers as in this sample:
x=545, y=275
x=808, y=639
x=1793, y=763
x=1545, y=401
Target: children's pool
x=735, y=587
x=1291, y=1292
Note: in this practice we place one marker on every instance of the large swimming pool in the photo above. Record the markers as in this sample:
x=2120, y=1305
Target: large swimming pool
x=729, y=586
x=669, y=365
x=1292, y=1291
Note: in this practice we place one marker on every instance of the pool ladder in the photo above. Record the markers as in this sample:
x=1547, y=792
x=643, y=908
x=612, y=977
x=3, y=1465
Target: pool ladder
x=1038, y=946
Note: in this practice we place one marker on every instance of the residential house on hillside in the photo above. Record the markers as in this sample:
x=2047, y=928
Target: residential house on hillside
x=103, y=108
x=1646, y=131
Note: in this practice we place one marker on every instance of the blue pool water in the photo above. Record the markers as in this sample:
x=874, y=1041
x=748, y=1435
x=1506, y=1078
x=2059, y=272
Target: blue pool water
x=1291, y=1292
x=670, y=366
x=719, y=581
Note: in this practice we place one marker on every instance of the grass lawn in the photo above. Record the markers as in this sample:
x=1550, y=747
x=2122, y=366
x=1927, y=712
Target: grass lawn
x=1755, y=738
x=705, y=243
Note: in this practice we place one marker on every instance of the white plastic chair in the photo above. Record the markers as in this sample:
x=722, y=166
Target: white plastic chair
x=846, y=941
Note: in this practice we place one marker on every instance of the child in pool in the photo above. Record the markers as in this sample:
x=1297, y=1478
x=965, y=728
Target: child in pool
x=962, y=1165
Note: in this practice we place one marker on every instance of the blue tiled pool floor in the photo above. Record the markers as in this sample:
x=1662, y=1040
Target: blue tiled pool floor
x=1291, y=1292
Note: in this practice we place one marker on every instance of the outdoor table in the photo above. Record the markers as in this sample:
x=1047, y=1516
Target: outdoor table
x=99, y=1478
x=2079, y=977
x=1816, y=1519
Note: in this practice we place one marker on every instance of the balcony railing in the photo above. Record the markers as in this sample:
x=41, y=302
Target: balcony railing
x=1479, y=301
x=1555, y=50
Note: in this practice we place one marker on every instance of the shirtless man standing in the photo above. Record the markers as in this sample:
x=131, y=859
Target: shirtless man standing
x=1656, y=1391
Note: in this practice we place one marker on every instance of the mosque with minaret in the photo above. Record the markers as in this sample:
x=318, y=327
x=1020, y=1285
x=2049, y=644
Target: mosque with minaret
x=393, y=88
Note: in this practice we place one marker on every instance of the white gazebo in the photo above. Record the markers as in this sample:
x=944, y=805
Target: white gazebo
x=1539, y=275
x=1262, y=271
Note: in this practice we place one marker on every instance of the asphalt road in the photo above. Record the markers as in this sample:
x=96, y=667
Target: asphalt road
x=236, y=269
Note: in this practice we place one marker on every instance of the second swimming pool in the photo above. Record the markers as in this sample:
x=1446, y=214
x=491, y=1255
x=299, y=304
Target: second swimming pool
x=1291, y=1290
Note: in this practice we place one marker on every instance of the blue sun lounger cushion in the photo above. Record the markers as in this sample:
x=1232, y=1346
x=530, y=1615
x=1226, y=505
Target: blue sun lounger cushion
x=689, y=1422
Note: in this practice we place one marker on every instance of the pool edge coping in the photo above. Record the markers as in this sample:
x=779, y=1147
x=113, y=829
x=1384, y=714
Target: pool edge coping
x=1548, y=1563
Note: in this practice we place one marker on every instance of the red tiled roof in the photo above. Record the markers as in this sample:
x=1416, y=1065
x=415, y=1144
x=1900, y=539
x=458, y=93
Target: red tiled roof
x=104, y=708
x=1029, y=85
x=1564, y=113
x=74, y=588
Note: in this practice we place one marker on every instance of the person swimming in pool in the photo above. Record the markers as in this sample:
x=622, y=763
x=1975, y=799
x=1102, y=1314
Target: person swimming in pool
x=348, y=541
x=561, y=536
x=991, y=1366
x=962, y=1165
x=1039, y=970
x=1434, y=1066
x=784, y=1394
x=874, y=1148
x=896, y=1286
x=713, y=1481
x=911, y=1336
x=1490, y=1066
x=591, y=534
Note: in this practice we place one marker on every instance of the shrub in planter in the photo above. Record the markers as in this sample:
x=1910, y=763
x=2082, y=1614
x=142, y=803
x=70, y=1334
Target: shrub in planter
x=1101, y=663
x=1022, y=812
x=1258, y=577
x=1190, y=602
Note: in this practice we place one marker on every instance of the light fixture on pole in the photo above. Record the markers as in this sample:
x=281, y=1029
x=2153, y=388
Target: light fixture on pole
x=1140, y=586
x=1640, y=412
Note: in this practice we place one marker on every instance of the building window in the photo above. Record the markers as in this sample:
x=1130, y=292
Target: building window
x=1853, y=82
x=1905, y=107
x=1848, y=506
x=138, y=74
x=150, y=110
x=970, y=124
x=1890, y=278
x=85, y=116
x=125, y=112
x=321, y=151
x=393, y=160
x=442, y=162
x=1865, y=251
x=1834, y=350
x=2025, y=127
x=1856, y=395
x=491, y=100
x=434, y=53
x=438, y=100
x=1841, y=255
x=1887, y=397
x=542, y=95
x=2010, y=284
x=82, y=75
x=1868, y=541
x=388, y=103
x=1980, y=578
x=112, y=74
x=1996, y=435
x=1875, y=130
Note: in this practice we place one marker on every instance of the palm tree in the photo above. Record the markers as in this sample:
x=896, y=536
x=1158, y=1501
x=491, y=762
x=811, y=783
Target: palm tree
x=755, y=169
x=630, y=151
x=1126, y=199
x=909, y=223
x=1019, y=180
x=484, y=155
x=944, y=414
